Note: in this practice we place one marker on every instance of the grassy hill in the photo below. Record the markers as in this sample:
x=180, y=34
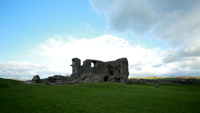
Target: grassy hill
x=16, y=96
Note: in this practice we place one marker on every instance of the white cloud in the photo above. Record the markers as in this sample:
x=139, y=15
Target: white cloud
x=55, y=54
x=21, y=70
x=59, y=50
x=175, y=22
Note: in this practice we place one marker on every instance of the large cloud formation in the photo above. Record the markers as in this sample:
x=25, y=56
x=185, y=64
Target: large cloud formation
x=107, y=47
x=58, y=51
x=55, y=54
x=177, y=22
x=173, y=21
x=129, y=15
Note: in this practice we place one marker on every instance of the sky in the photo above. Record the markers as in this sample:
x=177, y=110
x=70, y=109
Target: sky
x=158, y=37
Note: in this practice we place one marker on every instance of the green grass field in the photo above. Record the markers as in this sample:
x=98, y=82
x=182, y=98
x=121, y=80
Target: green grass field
x=18, y=97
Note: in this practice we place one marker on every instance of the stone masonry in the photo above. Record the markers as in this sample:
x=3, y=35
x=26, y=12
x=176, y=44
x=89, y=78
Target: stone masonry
x=98, y=71
x=94, y=71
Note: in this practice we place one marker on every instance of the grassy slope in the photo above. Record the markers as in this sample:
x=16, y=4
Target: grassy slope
x=18, y=97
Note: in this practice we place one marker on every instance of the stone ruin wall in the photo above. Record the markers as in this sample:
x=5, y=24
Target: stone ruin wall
x=112, y=71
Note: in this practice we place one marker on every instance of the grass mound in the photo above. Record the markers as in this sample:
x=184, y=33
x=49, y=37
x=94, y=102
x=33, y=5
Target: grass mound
x=15, y=96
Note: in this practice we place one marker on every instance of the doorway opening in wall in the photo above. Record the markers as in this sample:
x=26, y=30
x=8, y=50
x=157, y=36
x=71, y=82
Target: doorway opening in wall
x=105, y=78
x=117, y=80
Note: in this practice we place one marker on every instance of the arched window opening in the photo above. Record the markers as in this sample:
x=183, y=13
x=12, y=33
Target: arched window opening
x=119, y=71
x=93, y=63
x=110, y=70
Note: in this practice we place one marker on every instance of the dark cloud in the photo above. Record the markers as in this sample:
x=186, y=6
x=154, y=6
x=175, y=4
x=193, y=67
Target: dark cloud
x=138, y=68
x=171, y=56
x=195, y=68
x=129, y=15
x=177, y=22
x=174, y=21
x=187, y=50
x=157, y=65
x=170, y=5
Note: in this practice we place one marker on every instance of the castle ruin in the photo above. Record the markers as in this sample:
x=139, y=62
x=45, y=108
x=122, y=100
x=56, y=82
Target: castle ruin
x=98, y=71
x=94, y=71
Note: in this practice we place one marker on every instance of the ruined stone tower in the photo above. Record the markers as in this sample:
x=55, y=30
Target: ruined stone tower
x=76, y=67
